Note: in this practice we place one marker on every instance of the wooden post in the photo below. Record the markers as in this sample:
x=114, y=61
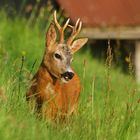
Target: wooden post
x=137, y=60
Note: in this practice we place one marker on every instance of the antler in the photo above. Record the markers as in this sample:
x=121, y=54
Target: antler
x=60, y=29
x=75, y=31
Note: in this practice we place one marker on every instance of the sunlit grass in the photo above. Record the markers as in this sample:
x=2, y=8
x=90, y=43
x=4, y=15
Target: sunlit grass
x=108, y=107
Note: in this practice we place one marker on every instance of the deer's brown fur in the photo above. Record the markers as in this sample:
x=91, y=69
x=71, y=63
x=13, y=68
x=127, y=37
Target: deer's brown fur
x=56, y=87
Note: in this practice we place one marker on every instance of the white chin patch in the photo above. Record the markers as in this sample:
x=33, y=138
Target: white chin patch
x=64, y=80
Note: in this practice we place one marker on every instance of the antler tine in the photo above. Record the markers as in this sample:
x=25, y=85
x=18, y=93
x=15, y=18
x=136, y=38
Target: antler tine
x=66, y=24
x=74, y=27
x=77, y=22
x=75, y=31
x=55, y=21
x=80, y=26
x=70, y=26
x=60, y=29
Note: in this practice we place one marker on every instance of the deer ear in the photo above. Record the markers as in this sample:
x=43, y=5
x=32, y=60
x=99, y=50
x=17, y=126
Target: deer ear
x=77, y=44
x=50, y=36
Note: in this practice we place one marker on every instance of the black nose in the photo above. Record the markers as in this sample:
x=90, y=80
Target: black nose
x=68, y=75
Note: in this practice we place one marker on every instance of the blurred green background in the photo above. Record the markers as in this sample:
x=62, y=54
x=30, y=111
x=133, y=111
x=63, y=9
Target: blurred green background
x=109, y=102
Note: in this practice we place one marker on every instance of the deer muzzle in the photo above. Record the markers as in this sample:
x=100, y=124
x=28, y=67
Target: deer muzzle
x=68, y=75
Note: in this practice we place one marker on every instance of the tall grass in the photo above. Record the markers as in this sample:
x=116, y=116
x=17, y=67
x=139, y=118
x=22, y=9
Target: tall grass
x=108, y=107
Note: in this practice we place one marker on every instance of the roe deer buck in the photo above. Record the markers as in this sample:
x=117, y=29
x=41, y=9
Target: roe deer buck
x=56, y=87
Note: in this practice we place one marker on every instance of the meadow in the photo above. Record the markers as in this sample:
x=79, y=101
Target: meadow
x=108, y=107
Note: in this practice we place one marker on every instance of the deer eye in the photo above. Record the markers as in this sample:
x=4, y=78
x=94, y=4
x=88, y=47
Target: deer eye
x=58, y=56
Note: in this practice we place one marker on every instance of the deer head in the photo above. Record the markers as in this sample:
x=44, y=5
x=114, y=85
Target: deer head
x=58, y=54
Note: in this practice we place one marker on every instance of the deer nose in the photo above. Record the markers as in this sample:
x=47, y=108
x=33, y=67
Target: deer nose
x=68, y=75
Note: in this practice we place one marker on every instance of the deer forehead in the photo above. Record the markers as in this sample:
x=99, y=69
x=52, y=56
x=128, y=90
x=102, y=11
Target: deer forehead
x=64, y=50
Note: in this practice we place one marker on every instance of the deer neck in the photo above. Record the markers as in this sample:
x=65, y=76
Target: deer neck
x=46, y=74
